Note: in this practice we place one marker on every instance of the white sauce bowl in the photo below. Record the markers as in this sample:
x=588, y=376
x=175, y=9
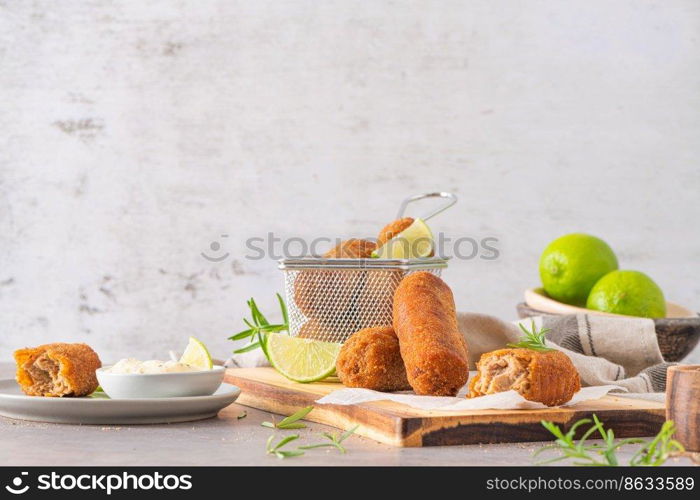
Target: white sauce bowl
x=160, y=385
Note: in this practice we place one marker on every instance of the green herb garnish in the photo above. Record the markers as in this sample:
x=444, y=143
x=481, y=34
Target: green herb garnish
x=98, y=393
x=259, y=327
x=290, y=422
x=657, y=451
x=242, y=415
x=654, y=452
x=275, y=449
x=335, y=440
x=533, y=338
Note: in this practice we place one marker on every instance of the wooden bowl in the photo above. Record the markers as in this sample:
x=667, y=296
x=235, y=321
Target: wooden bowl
x=683, y=404
x=678, y=333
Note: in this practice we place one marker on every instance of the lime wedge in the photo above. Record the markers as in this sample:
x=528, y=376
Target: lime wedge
x=414, y=242
x=301, y=360
x=197, y=355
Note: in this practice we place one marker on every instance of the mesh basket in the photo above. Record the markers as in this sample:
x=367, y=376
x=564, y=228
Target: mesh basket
x=330, y=299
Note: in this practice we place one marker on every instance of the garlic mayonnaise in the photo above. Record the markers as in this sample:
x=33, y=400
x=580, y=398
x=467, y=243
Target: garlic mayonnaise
x=134, y=366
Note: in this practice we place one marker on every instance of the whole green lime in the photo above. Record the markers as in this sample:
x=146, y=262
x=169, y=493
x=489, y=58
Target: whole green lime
x=572, y=264
x=631, y=293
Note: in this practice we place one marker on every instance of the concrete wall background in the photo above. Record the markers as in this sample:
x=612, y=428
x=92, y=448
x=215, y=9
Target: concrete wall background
x=135, y=134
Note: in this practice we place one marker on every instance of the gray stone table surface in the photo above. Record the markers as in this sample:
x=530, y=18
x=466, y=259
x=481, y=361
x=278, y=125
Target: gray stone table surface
x=225, y=440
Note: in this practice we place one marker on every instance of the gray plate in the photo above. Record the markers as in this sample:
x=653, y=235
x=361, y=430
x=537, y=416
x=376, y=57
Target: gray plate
x=15, y=404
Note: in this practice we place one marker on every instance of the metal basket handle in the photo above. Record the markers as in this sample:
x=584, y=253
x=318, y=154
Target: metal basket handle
x=451, y=200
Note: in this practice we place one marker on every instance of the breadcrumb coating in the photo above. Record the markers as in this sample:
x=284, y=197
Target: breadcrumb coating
x=57, y=370
x=392, y=229
x=371, y=359
x=352, y=249
x=432, y=348
x=547, y=377
x=327, y=295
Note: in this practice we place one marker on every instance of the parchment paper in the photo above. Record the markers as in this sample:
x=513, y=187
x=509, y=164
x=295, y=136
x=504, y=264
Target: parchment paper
x=509, y=400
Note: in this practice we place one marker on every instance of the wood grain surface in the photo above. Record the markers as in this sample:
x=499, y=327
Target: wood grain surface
x=399, y=425
x=683, y=404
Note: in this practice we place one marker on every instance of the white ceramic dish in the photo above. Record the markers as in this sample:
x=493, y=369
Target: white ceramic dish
x=160, y=385
x=15, y=404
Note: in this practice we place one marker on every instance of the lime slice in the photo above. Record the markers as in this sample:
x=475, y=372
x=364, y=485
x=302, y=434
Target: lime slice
x=414, y=242
x=301, y=360
x=196, y=355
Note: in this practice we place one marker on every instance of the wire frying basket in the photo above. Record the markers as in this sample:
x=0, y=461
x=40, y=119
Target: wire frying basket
x=330, y=299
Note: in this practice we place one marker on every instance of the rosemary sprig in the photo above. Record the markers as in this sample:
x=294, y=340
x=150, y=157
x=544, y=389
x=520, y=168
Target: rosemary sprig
x=335, y=440
x=533, y=338
x=657, y=451
x=259, y=327
x=283, y=308
x=279, y=453
x=654, y=452
x=290, y=422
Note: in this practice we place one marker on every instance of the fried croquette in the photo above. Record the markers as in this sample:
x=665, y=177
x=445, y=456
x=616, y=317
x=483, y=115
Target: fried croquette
x=432, y=348
x=548, y=377
x=57, y=370
x=351, y=249
x=371, y=359
x=392, y=229
x=375, y=299
x=328, y=295
x=314, y=329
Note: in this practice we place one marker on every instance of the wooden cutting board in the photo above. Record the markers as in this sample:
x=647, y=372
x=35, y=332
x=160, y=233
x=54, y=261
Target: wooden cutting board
x=399, y=425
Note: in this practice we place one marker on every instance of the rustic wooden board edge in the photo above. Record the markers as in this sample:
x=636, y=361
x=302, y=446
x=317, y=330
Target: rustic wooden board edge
x=372, y=425
x=393, y=428
x=625, y=423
